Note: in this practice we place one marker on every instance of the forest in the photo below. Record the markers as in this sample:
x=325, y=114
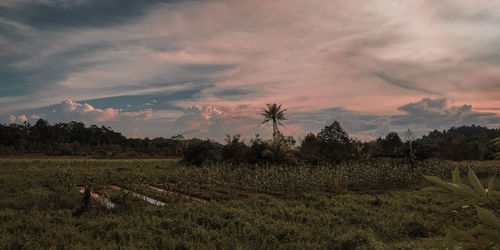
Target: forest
x=331, y=144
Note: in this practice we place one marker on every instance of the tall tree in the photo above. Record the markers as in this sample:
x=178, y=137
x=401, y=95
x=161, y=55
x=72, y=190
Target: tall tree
x=334, y=141
x=333, y=134
x=274, y=113
x=391, y=144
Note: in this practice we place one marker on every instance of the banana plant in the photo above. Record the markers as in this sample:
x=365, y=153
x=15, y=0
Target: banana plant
x=483, y=236
x=278, y=150
x=496, y=142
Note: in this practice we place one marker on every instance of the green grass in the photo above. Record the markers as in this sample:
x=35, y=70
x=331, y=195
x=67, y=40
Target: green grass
x=248, y=207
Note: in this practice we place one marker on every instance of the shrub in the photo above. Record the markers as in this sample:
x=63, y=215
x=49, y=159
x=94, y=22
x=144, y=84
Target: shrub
x=202, y=152
x=235, y=150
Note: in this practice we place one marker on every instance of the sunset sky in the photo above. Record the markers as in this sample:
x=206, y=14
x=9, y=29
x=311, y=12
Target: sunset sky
x=205, y=68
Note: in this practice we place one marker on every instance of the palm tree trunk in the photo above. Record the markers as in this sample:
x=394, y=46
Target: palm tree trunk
x=276, y=131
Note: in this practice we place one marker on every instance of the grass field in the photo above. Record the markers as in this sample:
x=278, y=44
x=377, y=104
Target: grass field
x=376, y=205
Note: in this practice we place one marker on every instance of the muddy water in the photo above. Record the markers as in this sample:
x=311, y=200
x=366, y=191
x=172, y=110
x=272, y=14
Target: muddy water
x=177, y=194
x=104, y=201
x=140, y=196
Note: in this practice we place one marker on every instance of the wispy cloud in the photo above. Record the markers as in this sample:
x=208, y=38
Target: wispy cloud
x=366, y=57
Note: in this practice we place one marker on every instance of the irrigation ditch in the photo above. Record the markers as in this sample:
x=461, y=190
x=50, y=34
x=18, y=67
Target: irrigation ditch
x=101, y=196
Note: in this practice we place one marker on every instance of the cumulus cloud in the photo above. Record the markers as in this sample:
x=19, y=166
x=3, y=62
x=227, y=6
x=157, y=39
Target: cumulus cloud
x=141, y=115
x=69, y=110
x=438, y=114
x=19, y=118
x=22, y=118
x=87, y=112
x=421, y=117
x=202, y=121
x=208, y=121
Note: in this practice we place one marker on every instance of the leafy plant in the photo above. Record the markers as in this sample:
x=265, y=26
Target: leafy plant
x=496, y=142
x=482, y=236
x=279, y=150
x=202, y=152
x=235, y=149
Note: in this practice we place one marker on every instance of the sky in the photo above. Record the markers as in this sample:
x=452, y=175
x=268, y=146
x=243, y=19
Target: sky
x=205, y=68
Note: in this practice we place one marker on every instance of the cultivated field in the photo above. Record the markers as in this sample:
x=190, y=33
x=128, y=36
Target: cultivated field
x=164, y=204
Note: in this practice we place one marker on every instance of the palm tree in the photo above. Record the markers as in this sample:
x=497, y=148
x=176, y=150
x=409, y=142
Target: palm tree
x=274, y=113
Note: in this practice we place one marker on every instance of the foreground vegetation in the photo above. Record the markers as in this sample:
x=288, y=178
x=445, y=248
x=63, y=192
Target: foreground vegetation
x=363, y=204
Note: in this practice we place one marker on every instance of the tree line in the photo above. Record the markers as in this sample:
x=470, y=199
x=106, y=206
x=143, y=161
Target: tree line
x=332, y=144
x=76, y=139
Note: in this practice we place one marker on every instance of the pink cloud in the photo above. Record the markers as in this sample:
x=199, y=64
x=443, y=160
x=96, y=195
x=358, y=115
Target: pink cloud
x=142, y=115
x=89, y=112
x=22, y=118
x=213, y=122
x=69, y=110
x=362, y=137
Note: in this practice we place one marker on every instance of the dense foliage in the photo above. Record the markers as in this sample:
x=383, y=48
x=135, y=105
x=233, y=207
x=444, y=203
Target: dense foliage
x=331, y=145
x=74, y=138
x=462, y=143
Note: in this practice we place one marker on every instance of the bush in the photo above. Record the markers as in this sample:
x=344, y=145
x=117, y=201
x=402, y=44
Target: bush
x=235, y=150
x=202, y=152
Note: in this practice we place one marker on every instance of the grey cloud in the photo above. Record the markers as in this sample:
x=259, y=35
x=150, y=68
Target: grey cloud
x=435, y=114
x=425, y=106
x=165, y=100
x=231, y=94
x=421, y=117
x=47, y=14
x=470, y=11
x=402, y=83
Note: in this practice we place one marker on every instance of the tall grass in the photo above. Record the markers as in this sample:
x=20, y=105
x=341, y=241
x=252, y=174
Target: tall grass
x=353, y=205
